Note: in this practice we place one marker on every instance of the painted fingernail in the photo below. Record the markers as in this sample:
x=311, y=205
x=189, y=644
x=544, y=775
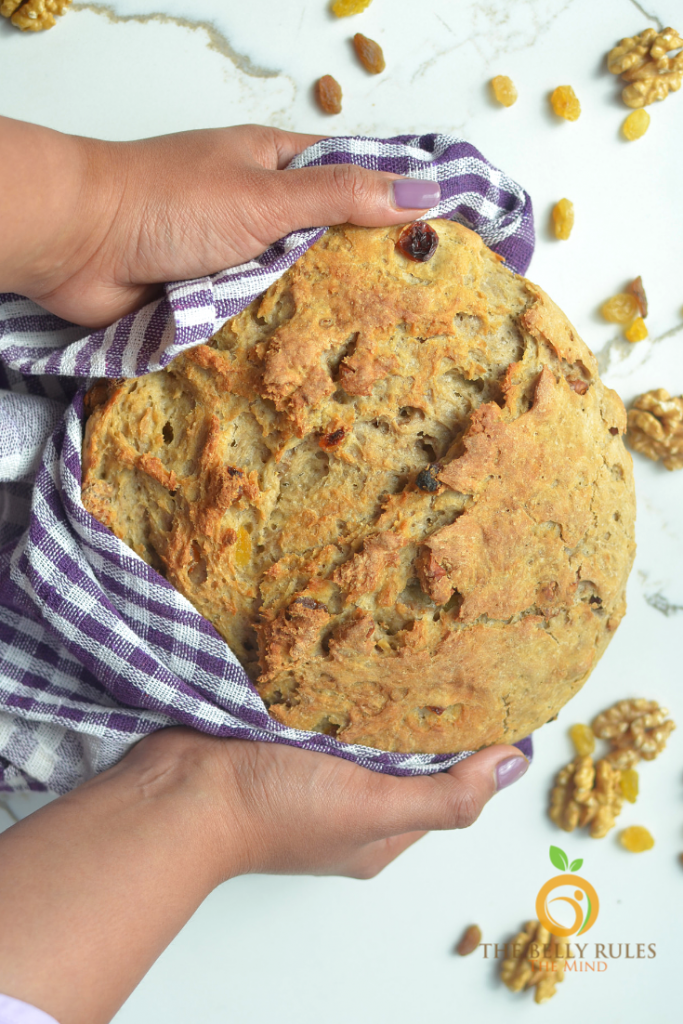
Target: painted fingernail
x=509, y=771
x=416, y=194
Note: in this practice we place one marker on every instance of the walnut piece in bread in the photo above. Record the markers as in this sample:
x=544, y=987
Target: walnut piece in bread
x=399, y=491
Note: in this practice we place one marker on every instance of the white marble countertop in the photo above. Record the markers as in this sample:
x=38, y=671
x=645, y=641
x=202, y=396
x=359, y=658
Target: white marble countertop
x=302, y=949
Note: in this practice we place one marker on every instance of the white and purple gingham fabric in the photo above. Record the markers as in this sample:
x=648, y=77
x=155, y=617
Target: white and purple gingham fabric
x=96, y=649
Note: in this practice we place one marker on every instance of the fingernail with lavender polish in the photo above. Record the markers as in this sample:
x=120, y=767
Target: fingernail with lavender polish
x=509, y=771
x=416, y=193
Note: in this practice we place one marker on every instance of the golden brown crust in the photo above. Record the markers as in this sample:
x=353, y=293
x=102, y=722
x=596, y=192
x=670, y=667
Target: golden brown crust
x=399, y=491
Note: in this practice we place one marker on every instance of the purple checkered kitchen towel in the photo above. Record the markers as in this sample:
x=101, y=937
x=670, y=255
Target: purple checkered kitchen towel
x=96, y=649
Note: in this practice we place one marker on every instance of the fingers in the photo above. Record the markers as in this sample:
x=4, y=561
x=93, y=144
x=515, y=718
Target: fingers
x=290, y=144
x=341, y=193
x=291, y=810
x=331, y=194
x=270, y=148
x=448, y=800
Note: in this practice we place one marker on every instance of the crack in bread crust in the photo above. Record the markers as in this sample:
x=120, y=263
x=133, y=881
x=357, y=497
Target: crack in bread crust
x=398, y=490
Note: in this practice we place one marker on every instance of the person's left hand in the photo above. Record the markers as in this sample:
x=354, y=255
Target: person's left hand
x=91, y=229
x=286, y=810
x=96, y=884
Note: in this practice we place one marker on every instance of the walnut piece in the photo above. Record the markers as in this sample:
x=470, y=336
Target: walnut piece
x=623, y=759
x=570, y=798
x=635, y=51
x=538, y=959
x=33, y=15
x=642, y=62
x=609, y=798
x=638, y=727
x=655, y=427
x=587, y=794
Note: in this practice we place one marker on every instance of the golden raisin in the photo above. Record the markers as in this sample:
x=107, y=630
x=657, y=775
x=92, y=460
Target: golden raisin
x=242, y=548
x=369, y=53
x=469, y=941
x=504, y=90
x=343, y=8
x=628, y=784
x=563, y=218
x=636, y=839
x=565, y=103
x=583, y=739
x=636, y=124
x=637, y=331
x=620, y=309
x=328, y=93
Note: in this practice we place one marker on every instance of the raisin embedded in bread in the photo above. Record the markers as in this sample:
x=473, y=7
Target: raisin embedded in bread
x=398, y=489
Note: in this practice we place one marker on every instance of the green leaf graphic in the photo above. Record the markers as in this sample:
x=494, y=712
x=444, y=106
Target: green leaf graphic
x=575, y=865
x=559, y=858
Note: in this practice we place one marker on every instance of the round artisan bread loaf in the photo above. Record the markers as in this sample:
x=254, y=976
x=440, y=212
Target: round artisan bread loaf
x=398, y=489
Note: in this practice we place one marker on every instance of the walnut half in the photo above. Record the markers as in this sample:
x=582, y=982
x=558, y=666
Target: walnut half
x=634, y=727
x=587, y=794
x=538, y=959
x=33, y=15
x=655, y=427
x=643, y=64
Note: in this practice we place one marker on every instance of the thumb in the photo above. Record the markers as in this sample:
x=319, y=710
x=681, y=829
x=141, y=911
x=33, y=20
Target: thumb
x=341, y=193
x=451, y=799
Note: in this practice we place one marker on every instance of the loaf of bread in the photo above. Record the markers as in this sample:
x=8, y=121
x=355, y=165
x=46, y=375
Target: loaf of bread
x=398, y=489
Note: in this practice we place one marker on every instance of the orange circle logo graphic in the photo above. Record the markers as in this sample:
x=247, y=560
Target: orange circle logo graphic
x=584, y=917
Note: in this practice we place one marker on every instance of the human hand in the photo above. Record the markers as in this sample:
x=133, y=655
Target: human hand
x=286, y=810
x=96, y=884
x=95, y=227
